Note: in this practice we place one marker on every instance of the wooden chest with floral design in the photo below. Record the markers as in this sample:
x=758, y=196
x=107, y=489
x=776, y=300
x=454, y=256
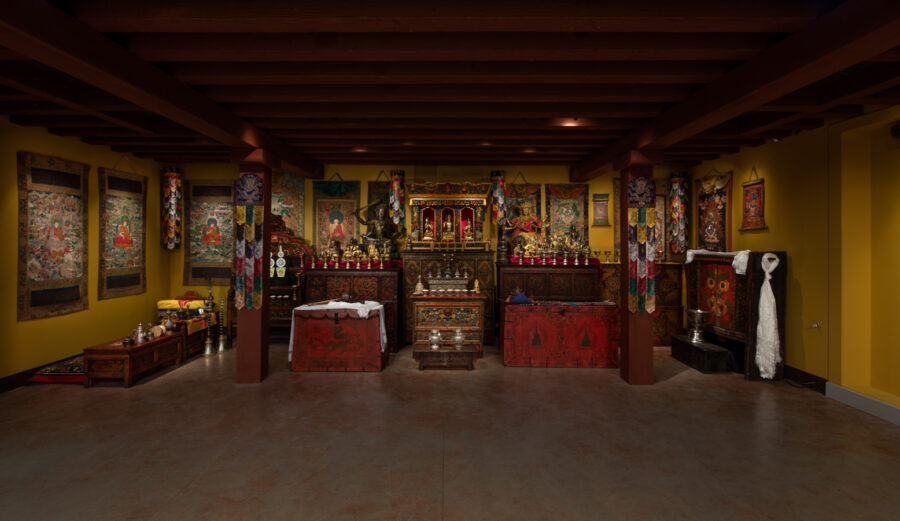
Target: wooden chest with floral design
x=447, y=314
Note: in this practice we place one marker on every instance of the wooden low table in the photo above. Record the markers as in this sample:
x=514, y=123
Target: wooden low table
x=446, y=357
x=114, y=361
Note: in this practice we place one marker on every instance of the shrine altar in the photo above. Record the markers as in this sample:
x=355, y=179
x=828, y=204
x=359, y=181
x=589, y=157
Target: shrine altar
x=338, y=336
x=560, y=334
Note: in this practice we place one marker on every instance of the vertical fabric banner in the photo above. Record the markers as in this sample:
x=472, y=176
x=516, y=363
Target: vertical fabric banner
x=678, y=206
x=498, y=188
x=396, y=200
x=172, y=195
x=641, y=245
x=249, y=209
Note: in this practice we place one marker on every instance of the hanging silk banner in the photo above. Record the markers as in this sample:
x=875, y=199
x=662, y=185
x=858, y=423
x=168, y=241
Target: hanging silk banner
x=171, y=211
x=249, y=211
x=396, y=200
x=678, y=206
x=498, y=188
x=641, y=245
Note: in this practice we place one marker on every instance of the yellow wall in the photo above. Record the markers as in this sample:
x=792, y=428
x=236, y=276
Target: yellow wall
x=885, y=269
x=794, y=170
x=34, y=343
x=175, y=259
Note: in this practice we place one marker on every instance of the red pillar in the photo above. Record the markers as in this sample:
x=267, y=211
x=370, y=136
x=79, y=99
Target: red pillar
x=253, y=324
x=636, y=339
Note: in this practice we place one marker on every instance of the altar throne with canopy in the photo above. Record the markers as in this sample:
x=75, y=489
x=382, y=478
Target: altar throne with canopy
x=448, y=219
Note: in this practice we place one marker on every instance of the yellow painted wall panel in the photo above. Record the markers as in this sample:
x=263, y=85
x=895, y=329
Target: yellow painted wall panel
x=34, y=343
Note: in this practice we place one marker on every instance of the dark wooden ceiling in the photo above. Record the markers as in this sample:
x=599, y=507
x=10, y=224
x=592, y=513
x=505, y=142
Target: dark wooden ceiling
x=593, y=85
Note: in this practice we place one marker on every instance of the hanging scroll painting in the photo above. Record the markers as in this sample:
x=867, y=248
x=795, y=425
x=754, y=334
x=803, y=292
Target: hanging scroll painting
x=334, y=203
x=249, y=216
x=754, y=198
x=52, y=268
x=523, y=196
x=378, y=192
x=600, y=209
x=617, y=212
x=288, y=194
x=567, y=205
x=713, y=218
x=123, y=216
x=209, y=248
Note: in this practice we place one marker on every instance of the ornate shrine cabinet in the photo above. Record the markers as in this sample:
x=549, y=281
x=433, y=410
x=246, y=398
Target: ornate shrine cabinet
x=382, y=285
x=446, y=314
x=289, y=254
x=563, y=283
x=447, y=225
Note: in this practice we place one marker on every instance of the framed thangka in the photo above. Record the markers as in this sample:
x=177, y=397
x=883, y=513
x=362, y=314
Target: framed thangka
x=209, y=248
x=600, y=209
x=754, y=205
x=378, y=192
x=123, y=217
x=713, y=216
x=288, y=197
x=567, y=205
x=334, y=203
x=52, y=269
x=523, y=199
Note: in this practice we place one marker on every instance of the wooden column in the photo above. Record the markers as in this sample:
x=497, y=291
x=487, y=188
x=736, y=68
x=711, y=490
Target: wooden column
x=636, y=338
x=253, y=324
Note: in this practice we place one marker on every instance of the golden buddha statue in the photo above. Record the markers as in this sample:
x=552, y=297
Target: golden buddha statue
x=447, y=234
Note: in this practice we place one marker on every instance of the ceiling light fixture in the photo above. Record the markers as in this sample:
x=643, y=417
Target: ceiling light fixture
x=529, y=150
x=485, y=143
x=360, y=150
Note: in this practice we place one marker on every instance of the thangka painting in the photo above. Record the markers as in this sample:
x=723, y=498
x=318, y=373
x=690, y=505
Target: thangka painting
x=123, y=202
x=617, y=211
x=378, y=192
x=754, y=204
x=288, y=198
x=209, y=248
x=713, y=218
x=519, y=197
x=334, y=203
x=600, y=209
x=662, y=198
x=567, y=205
x=53, y=259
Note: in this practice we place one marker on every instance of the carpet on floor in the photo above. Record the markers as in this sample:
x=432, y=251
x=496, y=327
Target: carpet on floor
x=69, y=371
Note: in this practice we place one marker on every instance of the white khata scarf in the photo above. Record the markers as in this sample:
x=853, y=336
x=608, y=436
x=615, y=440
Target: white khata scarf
x=768, y=354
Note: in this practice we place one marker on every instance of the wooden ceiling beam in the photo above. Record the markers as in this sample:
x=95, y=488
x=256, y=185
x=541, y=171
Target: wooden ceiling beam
x=852, y=32
x=268, y=16
x=414, y=144
x=508, y=161
x=46, y=34
x=446, y=110
x=453, y=47
x=78, y=98
x=404, y=124
x=532, y=93
x=428, y=73
x=435, y=134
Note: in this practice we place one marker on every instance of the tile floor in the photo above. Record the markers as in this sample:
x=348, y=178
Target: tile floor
x=493, y=444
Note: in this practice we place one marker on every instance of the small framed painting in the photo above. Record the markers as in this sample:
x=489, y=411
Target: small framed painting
x=600, y=209
x=753, y=211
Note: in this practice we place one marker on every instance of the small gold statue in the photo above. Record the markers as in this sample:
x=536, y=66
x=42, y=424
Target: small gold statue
x=428, y=233
x=467, y=232
x=447, y=234
x=476, y=288
x=374, y=255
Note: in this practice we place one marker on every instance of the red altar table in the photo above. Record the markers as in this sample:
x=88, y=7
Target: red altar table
x=559, y=334
x=337, y=339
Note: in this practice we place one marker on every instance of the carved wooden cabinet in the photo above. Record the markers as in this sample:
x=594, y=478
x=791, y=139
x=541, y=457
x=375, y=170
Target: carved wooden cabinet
x=447, y=314
x=479, y=264
x=733, y=301
x=382, y=285
x=565, y=283
x=668, y=318
x=114, y=361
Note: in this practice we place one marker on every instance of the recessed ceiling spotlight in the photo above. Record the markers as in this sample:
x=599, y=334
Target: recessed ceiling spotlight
x=485, y=143
x=408, y=143
x=529, y=150
x=360, y=149
x=568, y=122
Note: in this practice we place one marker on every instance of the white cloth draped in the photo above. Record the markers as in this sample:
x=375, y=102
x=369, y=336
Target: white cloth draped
x=768, y=352
x=362, y=311
x=739, y=258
